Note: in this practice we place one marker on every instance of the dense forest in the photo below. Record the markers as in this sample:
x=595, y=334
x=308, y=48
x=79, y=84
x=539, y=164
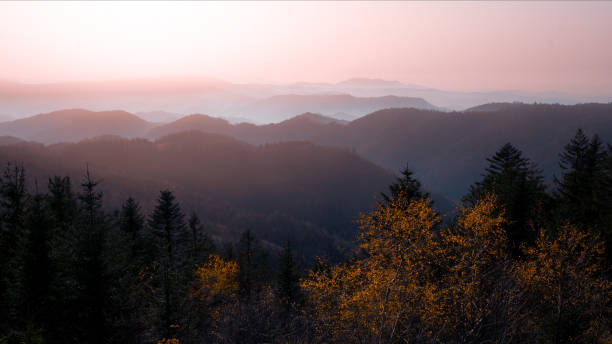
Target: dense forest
x=522, y=260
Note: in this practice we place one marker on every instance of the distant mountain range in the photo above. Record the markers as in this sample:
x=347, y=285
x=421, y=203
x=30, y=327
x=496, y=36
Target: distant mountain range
x=447, y=150
x=159, y=99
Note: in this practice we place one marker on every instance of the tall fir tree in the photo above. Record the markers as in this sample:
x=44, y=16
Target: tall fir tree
x=92, y=271
x=252, y=263
x=520, y=191
x=62, y=204
x=131, y=220
x=584, y=191
x=200, y=243
x=288, y=278
x=39, y=268
x=169, y=232
x=13, y=198
x=131, y=259
x=406, y=188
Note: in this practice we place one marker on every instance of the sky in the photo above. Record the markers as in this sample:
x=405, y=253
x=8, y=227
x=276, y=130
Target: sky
x=541, y=46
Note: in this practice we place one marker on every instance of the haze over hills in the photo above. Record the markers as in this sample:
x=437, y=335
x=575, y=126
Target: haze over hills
x=295, y=190
x=276, y=108
x=447, y=150
x=74, y=125
x=256, y=103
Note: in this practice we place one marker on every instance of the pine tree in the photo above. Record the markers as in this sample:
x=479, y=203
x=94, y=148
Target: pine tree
x=288, y=278
x=39, y=268
x=62, y=206
x=131, y=267
x=201, y=245
x=62, y=202
x=253, y=264
x=584, y=191
x=406, y=188
x=131, y=220
x=519, y=190
x=13, y=198
x=91, y=268
x=169, y=231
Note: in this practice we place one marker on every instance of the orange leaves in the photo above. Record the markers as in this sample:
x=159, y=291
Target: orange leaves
x=417, y=278
x=216, y=278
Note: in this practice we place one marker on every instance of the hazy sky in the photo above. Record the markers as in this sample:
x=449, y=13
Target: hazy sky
x=565, y=46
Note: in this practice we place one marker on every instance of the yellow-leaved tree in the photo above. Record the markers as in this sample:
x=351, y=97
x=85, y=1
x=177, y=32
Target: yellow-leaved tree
x=418, y=281
x=389, y=290
x=216, y=279
x=565, y=278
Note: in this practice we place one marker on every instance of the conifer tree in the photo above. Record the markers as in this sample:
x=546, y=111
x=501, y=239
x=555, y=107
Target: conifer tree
x=406, y=188
x=62, y=206
x=252, y=261
x=131, y=226
x=584, y=192
x=91, y=268
x=39, y=268
x=519, y=190
x=13, y=198
x=201, y=245
x=131, y=220
x=131, y=268
x=168, y=228
x=288, y=278
x=62, y=202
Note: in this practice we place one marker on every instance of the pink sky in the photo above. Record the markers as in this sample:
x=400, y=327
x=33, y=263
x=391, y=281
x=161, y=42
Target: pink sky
x=565, y=46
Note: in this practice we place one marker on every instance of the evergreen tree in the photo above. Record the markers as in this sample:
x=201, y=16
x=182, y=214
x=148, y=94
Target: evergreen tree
x=13, y=198
x=519, y=190
x=406, y=188
x=130, y=261
x=169, y=231
x=39, y=269
x=91, y=269
x=131, y=226
x=253, y=264
x=288, y=278
x=201, y=245
x=61, y=203
x=584, y=191
x=131, y=220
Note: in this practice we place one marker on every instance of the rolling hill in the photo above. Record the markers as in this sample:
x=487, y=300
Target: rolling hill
x=447, y=150
x=293, y=190
x=74, y=125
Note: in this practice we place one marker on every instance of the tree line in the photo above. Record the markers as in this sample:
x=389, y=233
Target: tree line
x=518, y=262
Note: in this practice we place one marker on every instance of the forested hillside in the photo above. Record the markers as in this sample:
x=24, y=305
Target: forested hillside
x=446, y=150
x=295, y=190
x=518, y=264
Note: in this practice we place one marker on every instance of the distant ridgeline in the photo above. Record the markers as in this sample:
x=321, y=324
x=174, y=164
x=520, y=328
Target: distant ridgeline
x=446, y=150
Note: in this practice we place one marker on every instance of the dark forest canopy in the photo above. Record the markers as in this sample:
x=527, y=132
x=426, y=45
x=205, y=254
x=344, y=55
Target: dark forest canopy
x=517, y=264
x=295, y=190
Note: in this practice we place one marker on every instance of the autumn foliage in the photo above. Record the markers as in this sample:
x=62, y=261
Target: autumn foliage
x=418, y=279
